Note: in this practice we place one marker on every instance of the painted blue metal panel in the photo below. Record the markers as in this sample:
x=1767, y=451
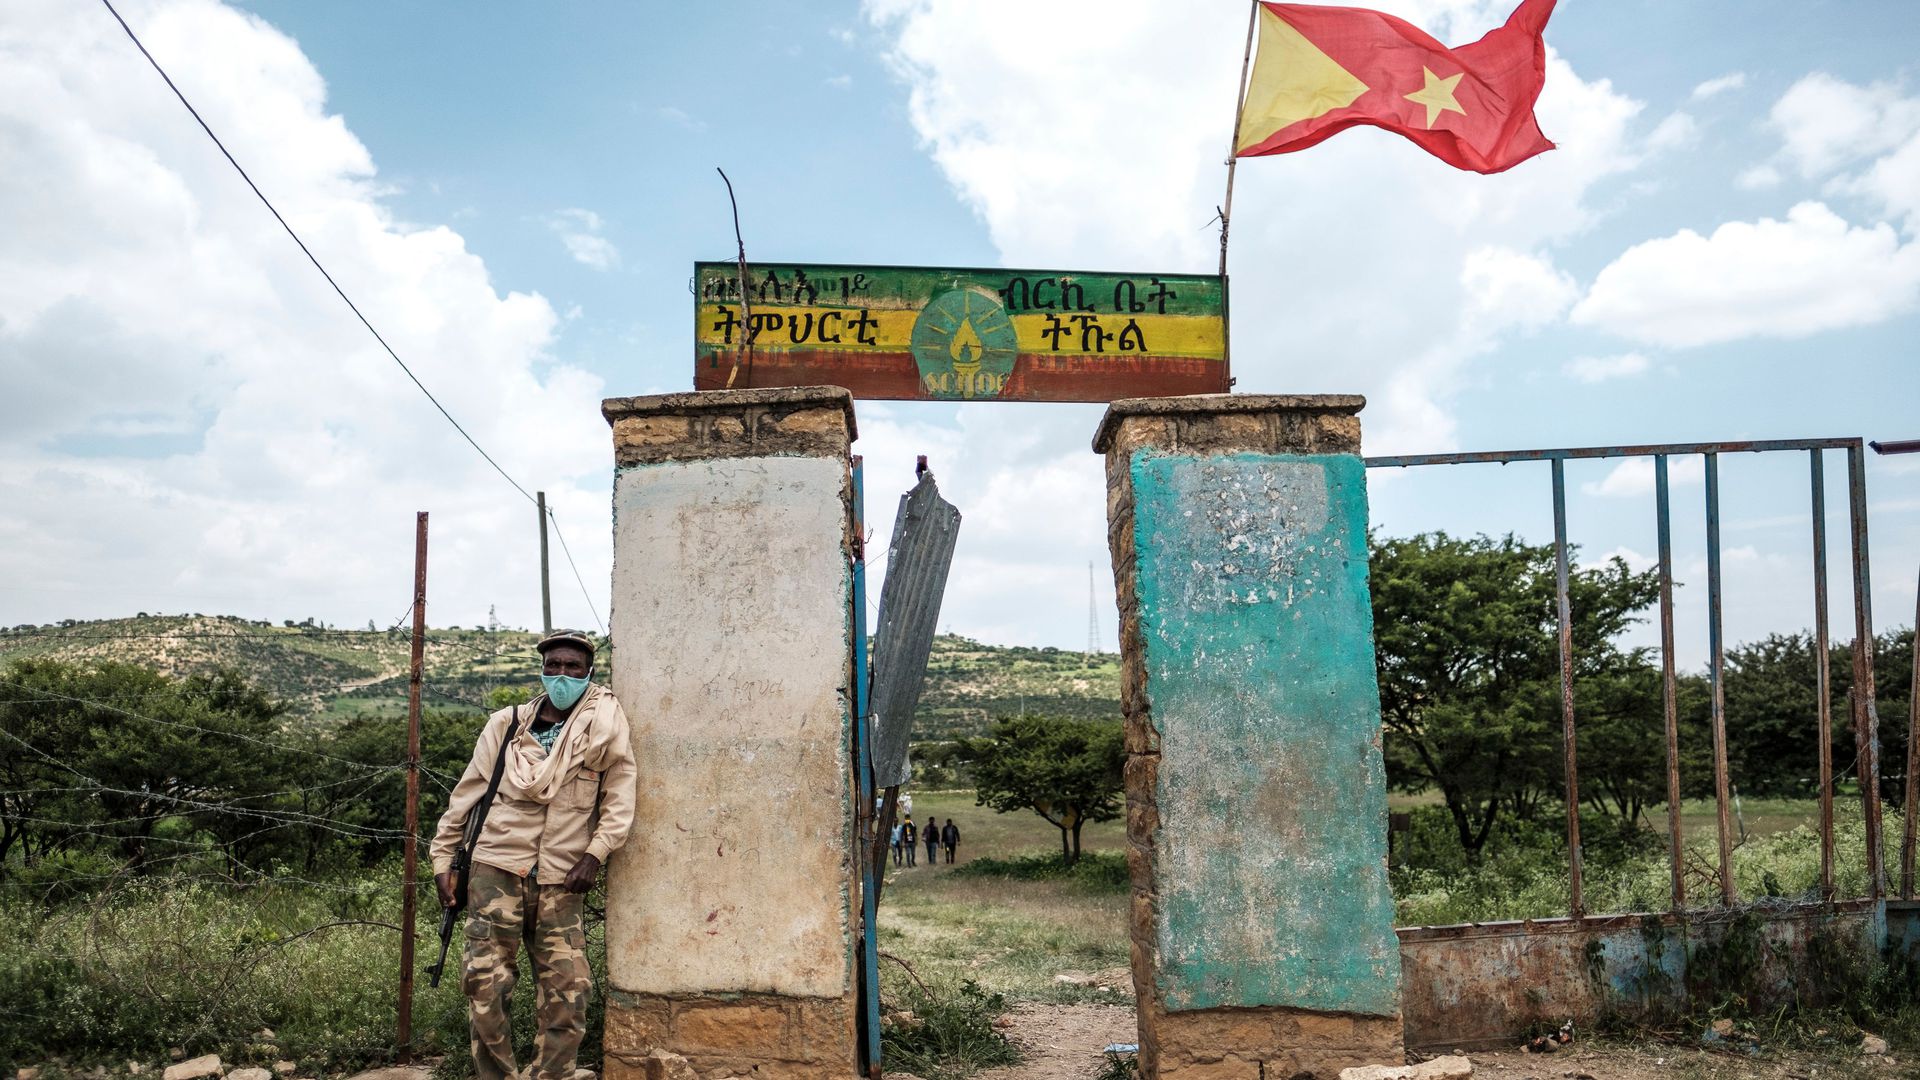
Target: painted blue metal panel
x=869, y=981
x=1272, y=881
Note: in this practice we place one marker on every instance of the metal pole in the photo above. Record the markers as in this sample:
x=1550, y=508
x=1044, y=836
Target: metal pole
x=1565, y=611
x=1728, y=895
x=1866, y=719
x=1233, y=161
x=1913, y=761
x=1909, y=446
x=546, y=584
x=1233, y=143
x=410, y=857
x=1822, y=679
x=1668, y=682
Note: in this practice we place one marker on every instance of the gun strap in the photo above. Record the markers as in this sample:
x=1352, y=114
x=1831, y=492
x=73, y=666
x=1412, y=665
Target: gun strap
x=477, y=817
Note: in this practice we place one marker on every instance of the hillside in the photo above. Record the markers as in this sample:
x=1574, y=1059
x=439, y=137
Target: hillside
x=330, y=672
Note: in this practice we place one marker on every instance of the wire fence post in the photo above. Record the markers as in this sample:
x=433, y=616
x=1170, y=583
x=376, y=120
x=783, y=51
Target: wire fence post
x=410, y=845
x=1912, y=803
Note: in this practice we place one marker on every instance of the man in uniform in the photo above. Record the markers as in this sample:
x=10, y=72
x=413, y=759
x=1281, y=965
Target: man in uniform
x=565, y=803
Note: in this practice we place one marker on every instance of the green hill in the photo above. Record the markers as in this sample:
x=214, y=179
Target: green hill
x=317, y=670
x=328, y=672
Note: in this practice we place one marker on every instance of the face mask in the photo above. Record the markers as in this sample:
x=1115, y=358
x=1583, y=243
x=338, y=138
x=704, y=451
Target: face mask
x=562, y=690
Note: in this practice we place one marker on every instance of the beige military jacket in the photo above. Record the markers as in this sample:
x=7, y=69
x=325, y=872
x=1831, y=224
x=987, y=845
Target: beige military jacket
x=547, y=814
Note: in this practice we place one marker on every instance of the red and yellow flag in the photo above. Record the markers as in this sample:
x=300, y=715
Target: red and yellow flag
x=1322, y=70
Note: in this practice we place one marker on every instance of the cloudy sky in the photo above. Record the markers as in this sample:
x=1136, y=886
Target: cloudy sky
x=1724, y=246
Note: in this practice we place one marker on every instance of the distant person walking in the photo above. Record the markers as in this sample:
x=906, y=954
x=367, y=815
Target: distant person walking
x=908, y=840
x=893, y=838
x=950, y=838
x=931, y=834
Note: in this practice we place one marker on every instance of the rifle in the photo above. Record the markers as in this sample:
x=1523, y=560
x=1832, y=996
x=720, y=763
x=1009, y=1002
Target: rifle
x=463, y=858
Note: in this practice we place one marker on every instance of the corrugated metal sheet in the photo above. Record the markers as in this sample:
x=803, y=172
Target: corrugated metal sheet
x=917, y=561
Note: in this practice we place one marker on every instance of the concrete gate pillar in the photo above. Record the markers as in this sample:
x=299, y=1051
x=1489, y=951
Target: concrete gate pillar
x=1262, y=925
x=731, y=911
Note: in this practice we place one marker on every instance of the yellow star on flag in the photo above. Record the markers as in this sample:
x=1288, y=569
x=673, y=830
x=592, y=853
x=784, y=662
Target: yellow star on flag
x=1436, y=95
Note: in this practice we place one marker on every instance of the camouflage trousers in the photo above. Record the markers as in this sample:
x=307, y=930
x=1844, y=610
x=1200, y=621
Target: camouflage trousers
x=502, y=911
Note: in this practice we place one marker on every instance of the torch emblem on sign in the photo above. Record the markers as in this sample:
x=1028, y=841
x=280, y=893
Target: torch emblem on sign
x=965, y=345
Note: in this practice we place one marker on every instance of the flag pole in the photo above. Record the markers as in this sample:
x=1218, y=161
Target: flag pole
x=1233, y=159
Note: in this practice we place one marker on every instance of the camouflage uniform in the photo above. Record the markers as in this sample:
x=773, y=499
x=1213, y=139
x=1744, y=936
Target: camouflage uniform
x=504, y=909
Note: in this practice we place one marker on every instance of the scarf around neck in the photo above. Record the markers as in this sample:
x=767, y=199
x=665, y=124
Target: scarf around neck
x=585, y=739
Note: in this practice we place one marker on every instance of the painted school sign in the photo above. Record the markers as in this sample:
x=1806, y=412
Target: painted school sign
x=919, y=333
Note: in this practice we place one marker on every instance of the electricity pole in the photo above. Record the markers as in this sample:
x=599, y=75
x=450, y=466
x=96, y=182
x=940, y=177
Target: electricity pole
x=546, y=587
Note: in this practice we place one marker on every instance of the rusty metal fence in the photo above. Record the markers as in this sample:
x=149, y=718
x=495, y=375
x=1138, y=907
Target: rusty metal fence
x=1864, y=718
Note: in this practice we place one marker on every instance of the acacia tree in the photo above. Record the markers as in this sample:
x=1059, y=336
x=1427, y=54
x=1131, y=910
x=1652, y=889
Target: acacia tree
x=1067, y=771
x=105, y=755
x=1466, y=636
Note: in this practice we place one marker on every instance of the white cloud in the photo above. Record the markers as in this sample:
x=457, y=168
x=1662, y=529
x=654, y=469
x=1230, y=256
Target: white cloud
x=1364, y=206
x=839, y=82
x=679, y=117
x=142, y=288
x=1599, y=369
x=1677, y=131
x=1508, y=289
x=1638, y=562
x=1716, y=87
x=1633, y=477
x=1757, y=178
x=1826, y=123
x=1863, y=140
x=580, y=230
x=1770, y=278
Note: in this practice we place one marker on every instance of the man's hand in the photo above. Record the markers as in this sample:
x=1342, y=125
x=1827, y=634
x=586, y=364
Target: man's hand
x=445, y=884
x=581, y=877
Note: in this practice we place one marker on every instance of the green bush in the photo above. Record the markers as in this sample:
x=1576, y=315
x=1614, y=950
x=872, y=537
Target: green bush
x=1098, y=871
x=165, y=963
x=949, y=1035
x=169, y=962
x=1523, y=872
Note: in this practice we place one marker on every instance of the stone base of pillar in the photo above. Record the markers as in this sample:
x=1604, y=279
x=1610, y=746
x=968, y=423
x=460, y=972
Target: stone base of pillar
x=1263, y=1044
x=761, y=1036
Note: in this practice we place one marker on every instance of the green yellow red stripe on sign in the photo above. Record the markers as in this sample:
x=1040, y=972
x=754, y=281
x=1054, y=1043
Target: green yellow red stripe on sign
x=959, y=334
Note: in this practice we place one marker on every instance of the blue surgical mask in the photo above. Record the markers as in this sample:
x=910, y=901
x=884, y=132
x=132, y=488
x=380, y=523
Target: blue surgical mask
x=563, y=690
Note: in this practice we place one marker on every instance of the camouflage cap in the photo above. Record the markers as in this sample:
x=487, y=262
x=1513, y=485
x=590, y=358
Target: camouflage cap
x=578, y=639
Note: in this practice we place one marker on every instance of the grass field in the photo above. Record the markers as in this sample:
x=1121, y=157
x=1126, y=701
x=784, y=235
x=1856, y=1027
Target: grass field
x=1011, y=936
x=1015, y=936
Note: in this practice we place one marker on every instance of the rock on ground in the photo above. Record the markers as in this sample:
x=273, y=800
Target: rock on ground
x=1873, y=1045
x=254, y=1073
x=663, y=1065
x=194, y=1069
x=1450, y=1067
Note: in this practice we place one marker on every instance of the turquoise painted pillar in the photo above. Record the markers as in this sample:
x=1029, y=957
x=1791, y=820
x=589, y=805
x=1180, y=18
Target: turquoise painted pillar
x=1262, y=924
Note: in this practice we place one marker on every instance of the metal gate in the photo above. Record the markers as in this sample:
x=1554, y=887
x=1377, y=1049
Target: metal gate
x=1865, y=719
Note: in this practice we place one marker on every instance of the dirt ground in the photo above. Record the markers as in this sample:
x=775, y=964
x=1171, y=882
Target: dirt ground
x=1065, y=1042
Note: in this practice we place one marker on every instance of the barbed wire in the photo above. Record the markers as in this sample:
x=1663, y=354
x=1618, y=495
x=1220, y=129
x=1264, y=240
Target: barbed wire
x=265, y=815
x=184, y=725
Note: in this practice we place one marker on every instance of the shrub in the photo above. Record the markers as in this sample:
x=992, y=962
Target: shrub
x=1098, y=871
x=950, y=1034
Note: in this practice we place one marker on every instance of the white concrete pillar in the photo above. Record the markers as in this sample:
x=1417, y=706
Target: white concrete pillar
x=731, y=911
